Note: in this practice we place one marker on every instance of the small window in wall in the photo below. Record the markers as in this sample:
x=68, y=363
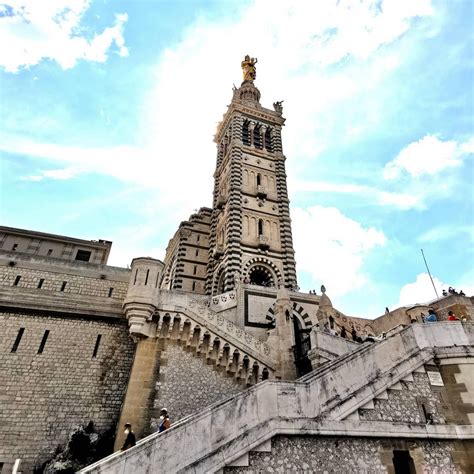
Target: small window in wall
x=43, y=342
x=111, y=290
x=197, y=253
x=83, y=255
x=198, y=237
x=17, y=280
x=97, y=344
x=18, y=339
x=63, y=286
x=50, y=252
x=403, y=462
x=259, y=179
x=260, y=227
x=40, y=283
x=195, y=270
x=146, y=277
x=194, y=285
x=15, y=246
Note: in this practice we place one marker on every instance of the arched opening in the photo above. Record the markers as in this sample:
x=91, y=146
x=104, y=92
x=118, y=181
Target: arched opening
x=268, y=140
x=221, y=283
x=261, y=276
x=246, y=133
x=259, y=179
x=260, y=227
x=301, y=348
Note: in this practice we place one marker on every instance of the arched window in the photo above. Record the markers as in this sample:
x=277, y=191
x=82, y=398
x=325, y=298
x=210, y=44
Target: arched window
x=246, y=133
x=259, y=179
x=260, y=276
x=260, y=227
x=221, y=283
x=268, y=140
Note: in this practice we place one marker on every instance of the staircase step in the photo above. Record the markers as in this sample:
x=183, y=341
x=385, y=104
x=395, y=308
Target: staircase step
x=243, y=461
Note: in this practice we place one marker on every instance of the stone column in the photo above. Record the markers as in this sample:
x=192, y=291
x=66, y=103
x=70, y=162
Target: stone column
x=281, y=338
x=263, y=129
x=141, y=390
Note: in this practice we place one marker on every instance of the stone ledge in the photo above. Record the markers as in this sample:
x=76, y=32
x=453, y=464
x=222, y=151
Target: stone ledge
x=46, y=302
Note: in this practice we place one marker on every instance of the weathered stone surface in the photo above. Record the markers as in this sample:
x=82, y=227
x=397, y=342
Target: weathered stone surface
x=187, y=384
x=312, y=454
x=44, y=396
x=405, y=405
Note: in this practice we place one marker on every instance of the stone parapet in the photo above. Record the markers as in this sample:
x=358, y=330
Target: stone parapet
x=199, y=311
x=46, y=302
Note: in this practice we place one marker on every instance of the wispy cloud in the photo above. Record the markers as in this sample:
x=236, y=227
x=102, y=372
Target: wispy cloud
x=370, y=194
x=427, y=156
x=32, y=31
x=445, y=232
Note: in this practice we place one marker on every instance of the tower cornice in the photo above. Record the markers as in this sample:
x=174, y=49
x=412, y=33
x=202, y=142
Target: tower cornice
x=256, y=112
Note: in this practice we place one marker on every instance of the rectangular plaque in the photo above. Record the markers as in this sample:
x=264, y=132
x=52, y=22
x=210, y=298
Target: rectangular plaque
x=435, y=378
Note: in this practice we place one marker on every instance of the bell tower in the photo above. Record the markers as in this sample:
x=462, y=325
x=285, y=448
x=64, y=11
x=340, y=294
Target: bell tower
x=250, y=235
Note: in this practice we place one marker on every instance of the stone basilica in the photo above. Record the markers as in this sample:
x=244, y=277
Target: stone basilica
x=256, y=375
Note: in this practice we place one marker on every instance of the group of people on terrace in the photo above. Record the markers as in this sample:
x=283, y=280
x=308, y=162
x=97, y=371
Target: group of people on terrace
x=452, y=291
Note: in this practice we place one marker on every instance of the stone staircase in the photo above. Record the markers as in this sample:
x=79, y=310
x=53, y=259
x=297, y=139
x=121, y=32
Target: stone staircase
x=321, y=403
x=209, y=334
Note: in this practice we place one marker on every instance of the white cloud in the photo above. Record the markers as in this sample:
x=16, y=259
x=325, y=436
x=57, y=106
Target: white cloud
x=59, y=174
x=332, y=247
x=51, y=29
x=396, y=199
x=427, y=156
x=421, y=290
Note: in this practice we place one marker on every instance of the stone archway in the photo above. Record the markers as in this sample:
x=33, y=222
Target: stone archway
x=260, y=275
x=298, y=311
x=263, y=270
x=218, y=281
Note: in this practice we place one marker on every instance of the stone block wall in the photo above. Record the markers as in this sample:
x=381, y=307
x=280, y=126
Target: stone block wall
x=44, y=396
x=313, y=454
x=458, y=393
x=188, y=384
x=54, y=281
x=406, y=405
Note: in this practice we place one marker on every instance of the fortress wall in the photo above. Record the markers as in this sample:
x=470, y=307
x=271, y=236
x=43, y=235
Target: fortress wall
x=44, y=396
x=83, y=279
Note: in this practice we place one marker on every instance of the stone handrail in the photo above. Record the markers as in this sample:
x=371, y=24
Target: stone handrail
x=207, y=441
x=226, y=330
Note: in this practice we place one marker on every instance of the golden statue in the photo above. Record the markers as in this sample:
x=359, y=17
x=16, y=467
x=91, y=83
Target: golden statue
x=248, y=68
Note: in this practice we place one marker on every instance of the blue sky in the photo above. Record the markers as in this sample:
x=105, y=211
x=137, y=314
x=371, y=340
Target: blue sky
x=108, y=110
